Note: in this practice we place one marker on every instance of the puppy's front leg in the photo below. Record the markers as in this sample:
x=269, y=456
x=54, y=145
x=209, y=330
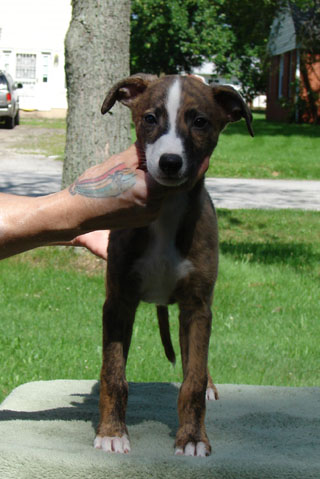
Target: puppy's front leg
x=195, y=328
x=112, y=433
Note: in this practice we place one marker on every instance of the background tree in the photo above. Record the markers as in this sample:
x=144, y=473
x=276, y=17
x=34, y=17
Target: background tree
x=246, y=56
x=168, y=36
x=97, y=56
x=175, y=35
x=309, y=41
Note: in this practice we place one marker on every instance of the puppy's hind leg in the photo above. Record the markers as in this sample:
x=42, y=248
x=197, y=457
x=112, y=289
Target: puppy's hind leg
x=112, y=433
x=212, y=392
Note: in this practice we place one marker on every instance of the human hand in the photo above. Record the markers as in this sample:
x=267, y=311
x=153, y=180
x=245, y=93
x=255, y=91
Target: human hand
x=120, y=193
x=115, y=194
x=96, y=242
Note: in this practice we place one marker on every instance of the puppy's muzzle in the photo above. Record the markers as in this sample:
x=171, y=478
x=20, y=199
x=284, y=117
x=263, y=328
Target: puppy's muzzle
x=170, y=164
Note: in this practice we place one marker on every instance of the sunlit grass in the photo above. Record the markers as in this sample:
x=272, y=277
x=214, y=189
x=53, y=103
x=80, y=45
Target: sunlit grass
x=265, y=330
x=278, y=150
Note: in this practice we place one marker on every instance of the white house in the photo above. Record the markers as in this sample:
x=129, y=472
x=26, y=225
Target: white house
x=32, y=36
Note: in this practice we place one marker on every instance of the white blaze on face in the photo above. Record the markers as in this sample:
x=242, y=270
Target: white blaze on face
x=173, y=103
x=170, y=142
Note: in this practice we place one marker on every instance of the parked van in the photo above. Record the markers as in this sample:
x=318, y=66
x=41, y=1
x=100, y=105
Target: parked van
x=9, y=100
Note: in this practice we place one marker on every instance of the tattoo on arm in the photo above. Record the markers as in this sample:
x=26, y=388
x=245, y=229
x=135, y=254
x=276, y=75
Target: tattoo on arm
x=112, y=183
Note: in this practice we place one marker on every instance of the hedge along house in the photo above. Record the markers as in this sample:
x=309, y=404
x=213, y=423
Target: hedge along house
x=32, y=50
x=294, y=81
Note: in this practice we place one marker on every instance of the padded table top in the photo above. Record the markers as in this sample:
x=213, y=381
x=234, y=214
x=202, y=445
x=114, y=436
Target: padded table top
x=47, y=431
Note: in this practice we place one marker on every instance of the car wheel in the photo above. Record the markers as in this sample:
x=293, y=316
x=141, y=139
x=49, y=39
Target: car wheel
x=10, y=122
x=17, y=118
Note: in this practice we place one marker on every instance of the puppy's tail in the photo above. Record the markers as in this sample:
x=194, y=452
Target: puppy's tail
x=163, y=321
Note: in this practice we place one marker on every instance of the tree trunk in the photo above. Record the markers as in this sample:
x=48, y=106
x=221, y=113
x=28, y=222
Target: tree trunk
x=97, y=56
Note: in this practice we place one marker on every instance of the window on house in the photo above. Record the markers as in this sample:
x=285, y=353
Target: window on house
x=26, y=66
x=281, y=72
x=6, y=59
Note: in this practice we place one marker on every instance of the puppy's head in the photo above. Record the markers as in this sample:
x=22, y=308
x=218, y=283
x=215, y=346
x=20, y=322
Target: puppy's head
x=178, y=121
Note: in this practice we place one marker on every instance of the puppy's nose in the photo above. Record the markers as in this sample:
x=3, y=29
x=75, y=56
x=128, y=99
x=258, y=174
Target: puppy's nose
x=170, y=163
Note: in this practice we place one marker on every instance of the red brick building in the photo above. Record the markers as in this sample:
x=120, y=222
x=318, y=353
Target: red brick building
x=293, y=77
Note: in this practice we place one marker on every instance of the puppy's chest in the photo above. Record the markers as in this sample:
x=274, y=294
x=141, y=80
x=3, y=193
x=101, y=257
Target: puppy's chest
x=162, y=266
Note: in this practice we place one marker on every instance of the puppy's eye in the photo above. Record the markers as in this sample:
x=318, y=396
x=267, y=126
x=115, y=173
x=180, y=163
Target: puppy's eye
x=200, y=122
x=150, y=119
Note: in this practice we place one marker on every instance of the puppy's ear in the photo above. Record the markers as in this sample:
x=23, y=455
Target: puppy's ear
x=127, y=90
x=233, y=105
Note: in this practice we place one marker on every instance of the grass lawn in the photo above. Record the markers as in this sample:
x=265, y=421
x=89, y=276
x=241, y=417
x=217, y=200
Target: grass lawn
x=266, y=325
x=278, y=150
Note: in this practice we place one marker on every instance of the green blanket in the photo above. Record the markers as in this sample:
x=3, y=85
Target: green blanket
x=47, y=431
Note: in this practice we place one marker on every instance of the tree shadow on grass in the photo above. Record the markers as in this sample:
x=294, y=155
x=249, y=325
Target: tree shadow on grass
x=262, y=127
x=293, y=254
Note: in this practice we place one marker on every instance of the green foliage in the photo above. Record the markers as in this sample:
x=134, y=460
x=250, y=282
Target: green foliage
x=246, y=55
x=175, y=35
x=309, y=29
x=308, y=36
x=168, y=37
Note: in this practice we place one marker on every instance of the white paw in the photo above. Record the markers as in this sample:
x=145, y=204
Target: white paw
x=198, y=449
x=113, y=444
x=210, y=394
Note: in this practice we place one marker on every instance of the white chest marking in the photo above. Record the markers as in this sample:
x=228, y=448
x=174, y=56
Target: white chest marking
x=162, y=265
x=170, y=142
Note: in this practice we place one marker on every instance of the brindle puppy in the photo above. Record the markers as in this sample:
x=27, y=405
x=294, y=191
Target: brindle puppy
x=174, y=260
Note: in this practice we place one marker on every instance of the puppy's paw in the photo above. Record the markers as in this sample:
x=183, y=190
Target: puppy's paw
x=196, y=449
x=113, y=444
x=212, y=394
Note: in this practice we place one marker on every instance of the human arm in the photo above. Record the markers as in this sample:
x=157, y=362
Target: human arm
x=113, y=194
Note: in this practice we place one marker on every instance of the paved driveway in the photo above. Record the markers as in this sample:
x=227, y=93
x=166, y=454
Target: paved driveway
x=26, y=174
x=30, y=175
x=264, y=194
